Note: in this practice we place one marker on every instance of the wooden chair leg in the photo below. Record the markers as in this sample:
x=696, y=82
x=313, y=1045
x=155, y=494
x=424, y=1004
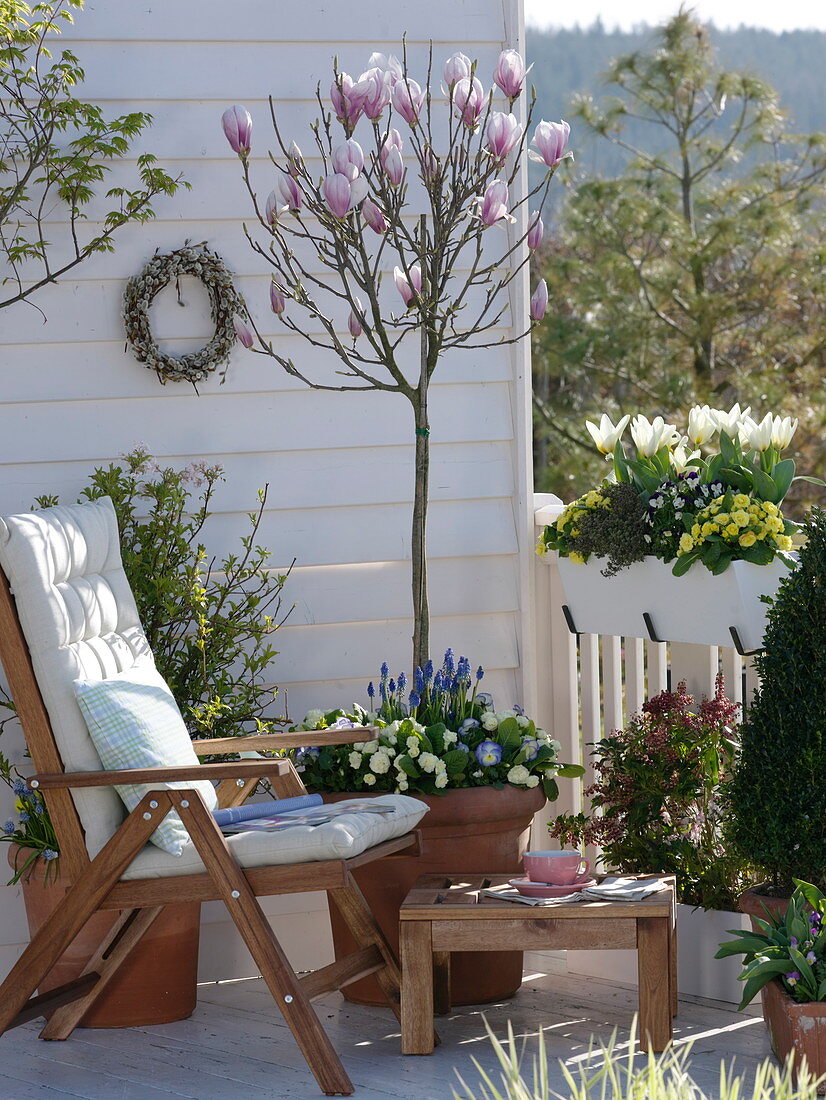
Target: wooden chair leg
x=80, y=903
x=115, y=948
x=265, y=949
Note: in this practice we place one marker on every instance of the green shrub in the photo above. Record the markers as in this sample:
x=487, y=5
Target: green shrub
x=777, y=796
x=618, y=1076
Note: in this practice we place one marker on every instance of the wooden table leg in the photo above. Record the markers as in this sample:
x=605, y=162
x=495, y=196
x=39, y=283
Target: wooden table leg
x=441, y=983
x=672, y=956
x=654, y=967
x=416, y=950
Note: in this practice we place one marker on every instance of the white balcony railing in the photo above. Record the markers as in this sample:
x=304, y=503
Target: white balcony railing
x=588, y=685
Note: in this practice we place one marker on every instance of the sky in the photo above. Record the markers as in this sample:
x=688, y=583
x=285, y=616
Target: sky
x=788, y=15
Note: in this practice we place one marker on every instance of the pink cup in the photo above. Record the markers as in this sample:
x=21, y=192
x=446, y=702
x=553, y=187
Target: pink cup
x=556, y=868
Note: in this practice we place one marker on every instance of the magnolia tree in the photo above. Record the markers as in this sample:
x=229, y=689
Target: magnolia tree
x=427, y=184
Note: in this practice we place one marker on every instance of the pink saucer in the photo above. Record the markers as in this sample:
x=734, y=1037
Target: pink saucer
x=531, y=889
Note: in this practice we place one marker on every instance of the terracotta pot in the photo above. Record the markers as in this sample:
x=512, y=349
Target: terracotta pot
x=754, y=904
x=796, y=1027
x=156, y=985
x=474, y=830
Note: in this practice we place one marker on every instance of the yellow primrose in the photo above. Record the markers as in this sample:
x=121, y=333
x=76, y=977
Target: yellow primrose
x=696, y=531
x=748, y=538
x=723, y=518
x=741, y=501
x=708, y=528
x=784, y=542
x=732, y=530
x=575, y=557
x=714, y=507
x=541, y=548
x=771, y=508
x=741, y=518
x=686, y=543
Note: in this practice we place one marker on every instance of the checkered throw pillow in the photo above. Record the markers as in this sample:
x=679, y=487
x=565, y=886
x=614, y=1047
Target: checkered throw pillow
x=134, y=722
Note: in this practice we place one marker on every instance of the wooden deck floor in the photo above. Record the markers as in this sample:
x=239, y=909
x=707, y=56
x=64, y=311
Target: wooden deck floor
x=236, y=1045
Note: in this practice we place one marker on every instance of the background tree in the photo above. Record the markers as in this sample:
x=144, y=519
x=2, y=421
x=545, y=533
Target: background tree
x=696, y=274
x=52, y=152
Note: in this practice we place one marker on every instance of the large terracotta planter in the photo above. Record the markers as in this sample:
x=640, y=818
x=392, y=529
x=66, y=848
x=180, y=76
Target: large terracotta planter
x=792, y=1027
x=475, y=830
x=156, y=985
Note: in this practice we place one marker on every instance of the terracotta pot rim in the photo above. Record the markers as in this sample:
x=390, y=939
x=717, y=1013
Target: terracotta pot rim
x=798, y=1008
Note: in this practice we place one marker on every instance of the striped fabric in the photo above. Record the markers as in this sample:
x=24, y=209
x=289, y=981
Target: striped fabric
x=134, y=722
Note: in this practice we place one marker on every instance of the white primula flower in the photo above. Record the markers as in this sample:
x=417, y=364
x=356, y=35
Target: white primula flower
x=389, y=749
x=380, y=763
x=441, y=780
x=556, y=746
x=522, y=721
x=370, y=747
x=313, y=717
x=532, y=781
x=428, y=762
x=402, y=785
x=355, y=759
x=391, y=730
x=543, y=736
x=490, y=721
x=369, y=779
x=518, y=774
x=477, y=775
x=414, y=749
x=503, y=714
x=449, y=737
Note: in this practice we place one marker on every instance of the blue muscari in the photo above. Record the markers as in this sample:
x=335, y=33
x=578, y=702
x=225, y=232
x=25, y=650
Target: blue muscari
x=414, y=699
x=402, y=682
x=428, y=672
x=480, y=672
x=418, y=681
x=371, y=691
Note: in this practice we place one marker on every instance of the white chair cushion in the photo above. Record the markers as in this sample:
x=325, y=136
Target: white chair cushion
x=134, y=722
x=341, y=838
x=80, y=621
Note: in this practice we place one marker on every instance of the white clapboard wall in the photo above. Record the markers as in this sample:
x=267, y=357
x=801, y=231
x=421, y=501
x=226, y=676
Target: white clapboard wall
x=339, y=466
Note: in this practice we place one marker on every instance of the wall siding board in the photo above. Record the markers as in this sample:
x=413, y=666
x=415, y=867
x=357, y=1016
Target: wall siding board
x=339, y=466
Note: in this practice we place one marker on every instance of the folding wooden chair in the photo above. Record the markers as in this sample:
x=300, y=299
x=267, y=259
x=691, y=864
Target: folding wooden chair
x=72, y=615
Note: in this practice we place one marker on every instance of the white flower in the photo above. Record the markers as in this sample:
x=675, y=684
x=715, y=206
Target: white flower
x=477, y=775
x=370, y=747
x=651, y=437
x=503, y=714
x=450, y=737
x=729, y=422
x=532, y=781
x=414, y=750
x=490, y=721
x=355, y=759
x=701, y=425
x=369, y=779
x=412, y=742
x=782, y=432
x=680, y=459
x=522, y=721
x=389, y=749
x=757, y=436
x=518, y=774
x=441, y=780
x=543, y=736
x=402, y=784
x=556, y=746
x=607, y=434
x=380, y=763
x=313, y=717
x=428, y=762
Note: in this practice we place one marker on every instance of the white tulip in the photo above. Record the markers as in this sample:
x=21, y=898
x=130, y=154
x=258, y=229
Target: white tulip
x=680, y=459
x=757, y=436
x=782, y=432
x=701, y=425
x=606, y=435
x=729, y=422
x=650, y=437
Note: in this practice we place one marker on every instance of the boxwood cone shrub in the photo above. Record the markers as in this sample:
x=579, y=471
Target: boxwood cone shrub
x=777, y=796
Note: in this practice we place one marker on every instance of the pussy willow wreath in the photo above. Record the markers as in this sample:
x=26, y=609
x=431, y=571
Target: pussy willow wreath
x=225, y=303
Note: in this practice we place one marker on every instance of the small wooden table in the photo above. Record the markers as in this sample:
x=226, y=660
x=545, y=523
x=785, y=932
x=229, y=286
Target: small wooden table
x=444, y=913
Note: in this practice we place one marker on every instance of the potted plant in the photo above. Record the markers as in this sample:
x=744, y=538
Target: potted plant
x=711, y=516
x=655, y=808
x=484, y=773
x=784, y=959
x=210, y=626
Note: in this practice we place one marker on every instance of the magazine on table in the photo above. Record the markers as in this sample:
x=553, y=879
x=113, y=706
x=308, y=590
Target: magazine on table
x=314, y=815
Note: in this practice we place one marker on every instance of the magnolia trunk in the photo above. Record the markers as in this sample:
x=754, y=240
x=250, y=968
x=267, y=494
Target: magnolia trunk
x=478, y=831
x=158, y=982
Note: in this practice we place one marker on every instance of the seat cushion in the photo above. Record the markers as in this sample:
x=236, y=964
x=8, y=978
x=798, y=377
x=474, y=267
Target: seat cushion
x=342, y=838
x=80, y=621
x=134, y=722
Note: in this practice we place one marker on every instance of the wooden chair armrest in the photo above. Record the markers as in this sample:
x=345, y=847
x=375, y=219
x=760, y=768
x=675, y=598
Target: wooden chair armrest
x=267, y=742
x=233, y=769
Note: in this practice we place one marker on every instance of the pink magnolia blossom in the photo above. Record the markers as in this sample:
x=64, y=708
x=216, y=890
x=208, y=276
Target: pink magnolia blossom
x=392, y=140
x=355, y=322
x=242, y=333
x=388, y=64
x=536, y=231
x=408, y=289
x=493, y=205
x=407, y=98
x=430, y=165
x=539, y=301
x=510, y=73
x=469, y=100
x=295, y=158
x=346, y=103
x=550, y=139
x=291, y=193
x=237, y=123
x=457, y=67
x=348, y=156
x=503, y=132
x=373, y=216
x=272, y=209
x=393, y=166
x=277, y=300
x=372, y=93
x=342, y=194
